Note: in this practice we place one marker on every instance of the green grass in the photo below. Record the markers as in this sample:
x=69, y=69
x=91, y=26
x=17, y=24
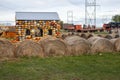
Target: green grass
x=86, y=67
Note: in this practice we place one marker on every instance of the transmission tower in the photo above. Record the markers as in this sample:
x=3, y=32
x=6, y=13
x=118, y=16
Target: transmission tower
x=90, y=12
x=70, y=17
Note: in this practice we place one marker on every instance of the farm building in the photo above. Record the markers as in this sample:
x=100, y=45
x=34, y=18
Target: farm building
x=8, y=32
x=37, y=24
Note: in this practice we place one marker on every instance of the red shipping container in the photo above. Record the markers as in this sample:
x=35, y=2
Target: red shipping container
x=78, y=27
x=70, y=27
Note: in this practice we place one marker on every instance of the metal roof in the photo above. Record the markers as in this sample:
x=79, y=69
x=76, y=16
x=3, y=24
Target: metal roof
x=37, y=16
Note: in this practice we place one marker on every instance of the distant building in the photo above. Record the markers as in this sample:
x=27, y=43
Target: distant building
x=66, y=26
x=8, y=32
x=37, y=24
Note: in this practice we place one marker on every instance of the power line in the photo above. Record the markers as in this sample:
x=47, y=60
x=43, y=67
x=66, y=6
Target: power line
x=70, y=17
x=90, y=12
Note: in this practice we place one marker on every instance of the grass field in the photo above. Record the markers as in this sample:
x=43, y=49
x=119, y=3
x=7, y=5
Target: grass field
x=86, y=67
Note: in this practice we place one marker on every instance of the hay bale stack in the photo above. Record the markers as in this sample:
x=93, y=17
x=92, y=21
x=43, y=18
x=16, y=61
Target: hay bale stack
x=84, y=36
x=113, y=41
x=76, y=33
x=77, y=45
x=46, y=38
x=54, y=47
x=89, y=36
x=64, y=36
x=116, y=36
x=102, y=45
x=1, y=33
x=93, y=39
x=73, y=39
x=70, y=34
x=108, y=37
x=99, y=35
x=6, y=49
x=29, y=48
x=117, y=45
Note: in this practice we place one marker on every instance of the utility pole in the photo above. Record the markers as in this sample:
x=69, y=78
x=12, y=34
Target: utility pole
x=90, y=12
x=70, y=17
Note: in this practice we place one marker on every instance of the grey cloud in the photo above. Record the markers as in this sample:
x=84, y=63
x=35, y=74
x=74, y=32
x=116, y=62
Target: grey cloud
x=109, y=3
x=31, y=4
x=7, y=7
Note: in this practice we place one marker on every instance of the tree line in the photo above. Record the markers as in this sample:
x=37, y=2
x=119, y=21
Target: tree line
x=116, y=18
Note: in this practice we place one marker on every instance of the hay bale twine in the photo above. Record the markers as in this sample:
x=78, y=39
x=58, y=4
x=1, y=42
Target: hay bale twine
x=93, y=39
x=54, y=47
x=108, y=37
x=117, y=45
x=77, y=45
x=29, y=48
x=6, y=49
x=102, y=45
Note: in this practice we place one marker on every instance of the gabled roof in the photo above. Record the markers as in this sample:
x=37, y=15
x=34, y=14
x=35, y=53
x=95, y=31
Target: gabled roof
x=37, y=16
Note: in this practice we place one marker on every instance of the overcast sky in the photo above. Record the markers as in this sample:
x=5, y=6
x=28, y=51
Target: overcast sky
x=105, y=10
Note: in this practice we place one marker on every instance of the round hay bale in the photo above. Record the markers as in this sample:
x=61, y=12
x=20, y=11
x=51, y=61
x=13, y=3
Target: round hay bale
x=73, y=33
x=47, y=38
x=6, y=49
x=99, y=35
x=102, y=45
x=76, y=33
x=117, y=36
x=70, y=34
x=83, y=36
x=117, y=45
x=71, y=40
x=113, y=41
x=29, y=48
x=108, y=37
x=63, y=36
x=54, y=47
x=77, y=45
x=89, y=36
x=93, y=39
x=1, y=33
